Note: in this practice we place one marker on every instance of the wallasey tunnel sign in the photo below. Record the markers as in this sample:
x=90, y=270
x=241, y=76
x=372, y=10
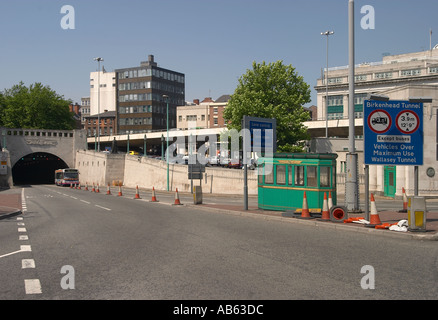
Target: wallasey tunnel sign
x=393, y=132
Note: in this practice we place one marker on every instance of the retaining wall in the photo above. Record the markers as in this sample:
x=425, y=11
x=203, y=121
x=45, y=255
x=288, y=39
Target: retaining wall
x=143, y=172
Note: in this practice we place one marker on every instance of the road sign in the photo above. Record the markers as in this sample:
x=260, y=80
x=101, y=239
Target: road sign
x=393, y=132
x=263, y=133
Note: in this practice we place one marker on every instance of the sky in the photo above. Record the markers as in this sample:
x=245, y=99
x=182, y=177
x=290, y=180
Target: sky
x=213, y=42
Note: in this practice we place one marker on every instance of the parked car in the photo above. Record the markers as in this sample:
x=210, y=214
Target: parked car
x=213, y=161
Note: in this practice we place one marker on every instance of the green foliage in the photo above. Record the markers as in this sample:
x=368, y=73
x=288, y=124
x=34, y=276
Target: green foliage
x=36, y=107
x=272, y=91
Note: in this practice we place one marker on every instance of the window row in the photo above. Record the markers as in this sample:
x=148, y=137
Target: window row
x=149, y=97
x=135, y=121
x=138, y=73
x=297, y=176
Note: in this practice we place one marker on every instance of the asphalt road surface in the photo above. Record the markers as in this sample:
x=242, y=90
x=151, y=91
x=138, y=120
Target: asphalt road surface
x=73, y=244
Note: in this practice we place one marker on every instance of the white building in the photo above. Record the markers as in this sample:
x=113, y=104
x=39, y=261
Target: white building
x=399, y=77
x=107, y=90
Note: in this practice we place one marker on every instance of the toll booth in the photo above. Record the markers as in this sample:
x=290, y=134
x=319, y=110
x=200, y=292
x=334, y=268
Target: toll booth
x=283, y=179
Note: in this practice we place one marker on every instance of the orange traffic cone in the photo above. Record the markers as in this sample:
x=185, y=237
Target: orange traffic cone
x=374, y=217
x=137, y=195
x=79, y=186
x=86, y=186
x=154, y=198
x=405, y=202
x=177, y=202
x=330, y=201
x=108, y=190
x=93, y=189
x=120, y=190
x=305, y=213
x=97, y=189
x=325, y=209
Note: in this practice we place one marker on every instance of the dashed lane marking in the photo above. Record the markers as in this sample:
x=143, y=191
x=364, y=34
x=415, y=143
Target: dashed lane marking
x=32, y=286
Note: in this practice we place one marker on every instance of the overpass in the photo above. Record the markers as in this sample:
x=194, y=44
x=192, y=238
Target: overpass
x=32, y=155
x=153, y=139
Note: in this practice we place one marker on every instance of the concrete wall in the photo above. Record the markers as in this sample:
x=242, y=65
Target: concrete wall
x=147, y=173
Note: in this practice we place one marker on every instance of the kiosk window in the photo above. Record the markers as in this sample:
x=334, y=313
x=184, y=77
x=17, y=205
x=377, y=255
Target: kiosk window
x=281, y=174
x=324, y=176
x=269, y=175
x=260, y=173
x=311, y=177
x=299, y=176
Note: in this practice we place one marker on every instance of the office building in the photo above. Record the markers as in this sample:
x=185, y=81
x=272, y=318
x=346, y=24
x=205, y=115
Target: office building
x=143, y=94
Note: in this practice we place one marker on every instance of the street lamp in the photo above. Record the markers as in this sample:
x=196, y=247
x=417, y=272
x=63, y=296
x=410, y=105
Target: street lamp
x=327, y=33
x=98, y=59
x=167, y=140
x=144, y=146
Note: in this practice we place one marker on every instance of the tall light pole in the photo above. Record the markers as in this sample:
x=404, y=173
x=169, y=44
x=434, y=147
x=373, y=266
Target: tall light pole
x=167, y=140
x=98, y=59
x=327, y=34
x=351, y=183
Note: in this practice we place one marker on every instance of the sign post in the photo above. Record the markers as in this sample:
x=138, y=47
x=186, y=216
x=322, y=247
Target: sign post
x=262, y=136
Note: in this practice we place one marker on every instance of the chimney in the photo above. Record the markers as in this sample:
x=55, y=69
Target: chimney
x=151, y=58
x=196, y=101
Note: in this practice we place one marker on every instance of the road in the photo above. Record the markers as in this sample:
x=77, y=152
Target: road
x=83, y=245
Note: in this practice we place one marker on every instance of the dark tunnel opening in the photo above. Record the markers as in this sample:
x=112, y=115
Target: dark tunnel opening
x=37, y=168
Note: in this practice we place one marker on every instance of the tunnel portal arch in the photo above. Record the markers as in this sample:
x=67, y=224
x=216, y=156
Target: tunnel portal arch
x=37, y=168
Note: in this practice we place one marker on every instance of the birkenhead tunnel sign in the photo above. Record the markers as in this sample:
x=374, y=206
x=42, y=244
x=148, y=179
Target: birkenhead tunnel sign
x=393, y=132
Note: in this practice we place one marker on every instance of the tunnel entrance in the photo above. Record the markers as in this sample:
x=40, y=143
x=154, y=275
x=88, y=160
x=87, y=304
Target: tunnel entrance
x=37, y=168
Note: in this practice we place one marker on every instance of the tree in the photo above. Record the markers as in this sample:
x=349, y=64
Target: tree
x=272, y=90
x=36, y=107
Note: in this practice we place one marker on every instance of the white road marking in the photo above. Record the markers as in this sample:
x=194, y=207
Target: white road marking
x=32, y=286
x=102, y=207
x=22, y=230
x=25, y=248
x=25, y=237
x=27, y=264
x=85, y=201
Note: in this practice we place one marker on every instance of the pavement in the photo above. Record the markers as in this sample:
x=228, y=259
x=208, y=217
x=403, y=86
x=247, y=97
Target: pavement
x=10, y=205
x=389, y=217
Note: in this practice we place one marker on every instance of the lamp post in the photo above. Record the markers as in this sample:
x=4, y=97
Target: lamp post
x=98, y=59
x=167, y=140
x=144, y=146
x=162, y=147
x=327, y=34
x=418, y=100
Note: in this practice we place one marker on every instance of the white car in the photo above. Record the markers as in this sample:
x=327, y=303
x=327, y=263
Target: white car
x=213, y=161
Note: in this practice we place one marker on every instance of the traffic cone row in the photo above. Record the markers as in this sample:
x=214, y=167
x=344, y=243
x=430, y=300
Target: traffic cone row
x=177, y=201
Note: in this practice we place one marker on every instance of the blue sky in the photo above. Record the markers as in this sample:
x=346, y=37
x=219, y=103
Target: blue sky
x=212, y=41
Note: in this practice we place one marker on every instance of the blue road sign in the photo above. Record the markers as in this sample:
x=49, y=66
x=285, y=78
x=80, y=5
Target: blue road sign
x=263, y=133
x=393, y=133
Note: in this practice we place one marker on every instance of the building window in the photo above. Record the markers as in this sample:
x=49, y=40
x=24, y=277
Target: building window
x=383, y=75
x=179, y=118
x=335, y=80
x=361, y=77
x=433, y=70
x=335, y=100
x=409, y=73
